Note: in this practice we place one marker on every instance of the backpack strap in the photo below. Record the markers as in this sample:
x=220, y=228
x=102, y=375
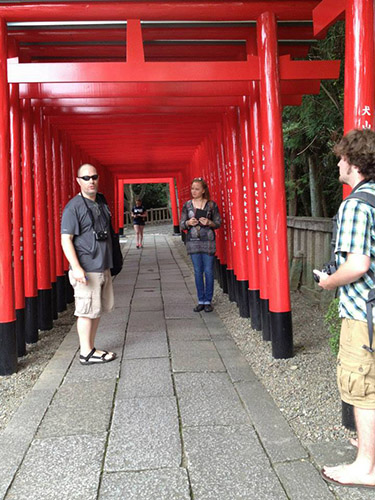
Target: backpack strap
x=369, y=199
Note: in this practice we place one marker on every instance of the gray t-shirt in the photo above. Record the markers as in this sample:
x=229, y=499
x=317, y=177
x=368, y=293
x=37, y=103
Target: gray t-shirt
x=93, y=255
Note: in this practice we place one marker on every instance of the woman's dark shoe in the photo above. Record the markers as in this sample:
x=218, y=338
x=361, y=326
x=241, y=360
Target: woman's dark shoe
x=198, y=308
x=208, y=308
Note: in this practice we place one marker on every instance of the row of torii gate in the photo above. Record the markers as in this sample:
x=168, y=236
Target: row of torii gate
x=160, y=92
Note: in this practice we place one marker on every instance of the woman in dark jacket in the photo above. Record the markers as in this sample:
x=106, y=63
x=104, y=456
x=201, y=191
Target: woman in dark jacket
x=200, y=217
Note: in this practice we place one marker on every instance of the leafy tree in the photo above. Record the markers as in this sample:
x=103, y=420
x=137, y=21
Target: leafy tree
x=310, y=131
x=152, y=195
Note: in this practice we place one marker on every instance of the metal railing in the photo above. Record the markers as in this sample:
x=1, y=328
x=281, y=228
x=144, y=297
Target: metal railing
x=154, y=216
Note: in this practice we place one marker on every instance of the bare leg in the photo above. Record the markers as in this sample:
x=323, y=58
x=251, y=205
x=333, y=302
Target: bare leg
x=137, y=235
x=141, y=229
x=362, y=470
x=87, y=328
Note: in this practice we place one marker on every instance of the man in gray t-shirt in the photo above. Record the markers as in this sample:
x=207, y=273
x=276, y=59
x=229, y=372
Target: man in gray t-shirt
x=87, y=245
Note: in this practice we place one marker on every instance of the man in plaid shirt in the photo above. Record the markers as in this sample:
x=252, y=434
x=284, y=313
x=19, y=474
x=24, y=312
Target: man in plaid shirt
x=355, y=259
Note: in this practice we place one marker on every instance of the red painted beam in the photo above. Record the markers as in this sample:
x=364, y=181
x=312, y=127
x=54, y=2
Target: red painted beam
x=167, y=72
x=115, y=34
x=326, y=13
x=135, y=72
x=166, y=11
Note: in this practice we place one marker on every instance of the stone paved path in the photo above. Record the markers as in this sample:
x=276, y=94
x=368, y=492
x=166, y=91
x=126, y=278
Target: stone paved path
x=179, y=415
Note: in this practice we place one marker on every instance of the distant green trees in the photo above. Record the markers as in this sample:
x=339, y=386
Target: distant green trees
x=152, y=195
x=310, y=131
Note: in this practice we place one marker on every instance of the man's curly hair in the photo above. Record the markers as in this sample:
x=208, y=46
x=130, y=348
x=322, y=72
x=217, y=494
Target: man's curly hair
x=358, y=148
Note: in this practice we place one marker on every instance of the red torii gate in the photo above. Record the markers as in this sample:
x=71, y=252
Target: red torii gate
x=238, y=127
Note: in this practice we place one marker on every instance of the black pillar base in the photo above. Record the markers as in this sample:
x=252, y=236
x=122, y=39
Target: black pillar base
x=224, y=277
x=54, y=300
x=45, y=320
x=31, y=320
x=69, y=290
x=61, y=293
x=282, y=334
x=265, y=315
x=8, y=348
x=231, y=285
x=243, y=298
x=347, y=416
x=255, y=313
x=121, y=231
x=176, y=229
x=217, y=274
x=20, y=332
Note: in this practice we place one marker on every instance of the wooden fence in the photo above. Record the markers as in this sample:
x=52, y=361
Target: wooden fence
x=154, y=216
x=309, y=247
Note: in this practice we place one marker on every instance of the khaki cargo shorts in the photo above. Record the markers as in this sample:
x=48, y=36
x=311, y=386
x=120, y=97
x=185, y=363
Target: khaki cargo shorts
x=355, y=365
x=96, y=297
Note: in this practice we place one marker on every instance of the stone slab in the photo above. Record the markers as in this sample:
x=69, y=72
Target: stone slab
x=145, y=378
x=162, y=484
x=141, y=322
x=146, y=345
x=147, y=305
x=195, y=356
x=234, y=361
x=173, y=311
x=187, y=329
x=229, y=463
x=208, y=399
x=57, y=468
x=144, y=435
x=301, y=479
x=81, y=373
x=80, y=408
x=274, y=432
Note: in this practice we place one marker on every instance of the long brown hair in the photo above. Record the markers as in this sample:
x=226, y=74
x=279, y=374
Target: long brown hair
x=206, y=194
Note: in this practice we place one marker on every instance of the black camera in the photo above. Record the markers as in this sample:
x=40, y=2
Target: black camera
x=101, y=235
x=328, y=268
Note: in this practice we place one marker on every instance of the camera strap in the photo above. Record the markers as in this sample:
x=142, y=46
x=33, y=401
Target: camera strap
x=89, y=211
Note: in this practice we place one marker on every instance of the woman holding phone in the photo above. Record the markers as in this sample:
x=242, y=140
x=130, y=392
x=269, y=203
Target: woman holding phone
x=200, y=217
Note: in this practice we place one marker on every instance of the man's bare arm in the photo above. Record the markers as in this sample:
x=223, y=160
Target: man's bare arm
x=353, y=268
x=71, y=255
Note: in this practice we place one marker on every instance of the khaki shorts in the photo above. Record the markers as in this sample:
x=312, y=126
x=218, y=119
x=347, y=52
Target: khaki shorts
x=355, y=365
x=96, y=297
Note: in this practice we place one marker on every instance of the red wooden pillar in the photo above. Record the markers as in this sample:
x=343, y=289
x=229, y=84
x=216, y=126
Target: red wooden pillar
x=172, y=193
x=260, y=208
x=250, y=217
x=238, y=220
x=50, y=212
x=359, y=96
x=56, y=180
x=121, y=206
x=29, y=244
x=226, y=216
x=280, y=313
x=41, y=227
x=8, y=350
x=15, y=154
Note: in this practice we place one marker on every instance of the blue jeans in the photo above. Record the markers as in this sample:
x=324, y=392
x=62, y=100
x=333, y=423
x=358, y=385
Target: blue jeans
x=204, y=264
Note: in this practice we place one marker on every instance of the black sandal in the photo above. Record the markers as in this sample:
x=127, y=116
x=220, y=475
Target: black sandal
x=90, y=359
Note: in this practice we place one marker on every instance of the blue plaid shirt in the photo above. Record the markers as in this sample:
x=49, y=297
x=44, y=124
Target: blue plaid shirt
x=356, y=235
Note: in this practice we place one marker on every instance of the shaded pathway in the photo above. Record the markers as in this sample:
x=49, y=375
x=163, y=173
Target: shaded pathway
x=179, y=415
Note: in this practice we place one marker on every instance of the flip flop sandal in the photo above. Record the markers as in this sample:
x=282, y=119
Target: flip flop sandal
x=90, y=359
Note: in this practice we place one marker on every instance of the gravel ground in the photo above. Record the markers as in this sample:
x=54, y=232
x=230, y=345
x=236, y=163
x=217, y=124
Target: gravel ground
x=303, y=387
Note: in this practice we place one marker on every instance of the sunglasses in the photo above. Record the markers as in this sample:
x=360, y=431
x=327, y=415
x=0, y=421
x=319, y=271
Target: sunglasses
x=86, y=178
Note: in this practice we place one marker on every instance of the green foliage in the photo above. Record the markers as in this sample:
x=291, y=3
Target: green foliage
x=311, y=130
x=155, y=195
x=333, y=323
